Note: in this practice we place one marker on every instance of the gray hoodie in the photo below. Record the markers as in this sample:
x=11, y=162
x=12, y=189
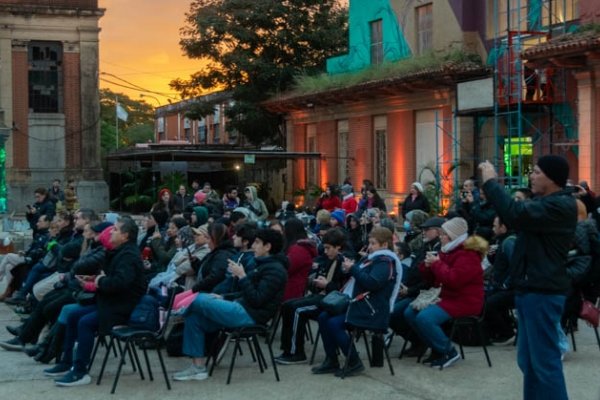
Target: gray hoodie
x=256, y=205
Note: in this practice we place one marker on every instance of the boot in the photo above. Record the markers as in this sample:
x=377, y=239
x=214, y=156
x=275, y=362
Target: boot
x=355, y=366
x=329, y=366
x=54, y=348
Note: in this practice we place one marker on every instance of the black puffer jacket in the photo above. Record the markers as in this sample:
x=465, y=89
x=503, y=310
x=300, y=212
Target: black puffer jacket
x=545, y=229
x=262, y=290
x=122, y=287
x=213, y=267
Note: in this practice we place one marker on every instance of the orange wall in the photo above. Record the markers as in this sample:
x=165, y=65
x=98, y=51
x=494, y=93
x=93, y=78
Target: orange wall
x=360, y=145
x=401, y=151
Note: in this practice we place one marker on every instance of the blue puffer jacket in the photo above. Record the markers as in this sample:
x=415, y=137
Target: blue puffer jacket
x=378, y=277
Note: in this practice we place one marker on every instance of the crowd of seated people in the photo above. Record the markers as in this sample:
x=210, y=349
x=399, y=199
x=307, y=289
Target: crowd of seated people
x=82, y=274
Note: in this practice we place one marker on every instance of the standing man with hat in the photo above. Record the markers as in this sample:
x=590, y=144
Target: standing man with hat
x=545, y=229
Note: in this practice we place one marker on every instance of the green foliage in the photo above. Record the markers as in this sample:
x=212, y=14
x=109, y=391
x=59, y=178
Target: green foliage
x=255, y=48
x=139, y=127
x=313, y=84
x=135, y=194
x=172, y=181
x=440, y=191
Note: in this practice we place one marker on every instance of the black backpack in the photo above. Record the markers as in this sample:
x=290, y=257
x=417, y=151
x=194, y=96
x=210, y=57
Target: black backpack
x=145, y=315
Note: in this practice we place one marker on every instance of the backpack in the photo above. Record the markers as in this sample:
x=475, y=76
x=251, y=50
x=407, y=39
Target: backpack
x=145, y=315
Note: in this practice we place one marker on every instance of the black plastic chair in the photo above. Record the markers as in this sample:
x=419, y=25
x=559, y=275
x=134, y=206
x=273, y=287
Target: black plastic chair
x=570, y=329
x=249, y=334
x=471, y=321
x=133, y=338
x=355, y=335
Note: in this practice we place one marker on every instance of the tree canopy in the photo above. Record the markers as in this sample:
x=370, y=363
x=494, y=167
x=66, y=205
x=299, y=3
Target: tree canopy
x=255, y=48
x=139, y=127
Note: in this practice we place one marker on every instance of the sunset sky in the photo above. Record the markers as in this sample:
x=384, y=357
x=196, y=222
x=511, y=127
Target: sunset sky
x=139, y=43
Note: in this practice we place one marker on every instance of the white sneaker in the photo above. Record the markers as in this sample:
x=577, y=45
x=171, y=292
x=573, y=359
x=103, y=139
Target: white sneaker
x=191, y=373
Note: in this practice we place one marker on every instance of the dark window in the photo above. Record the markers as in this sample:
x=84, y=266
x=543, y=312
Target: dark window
x=45, y=77
x=425, y=28
x=202, y=132
x=376, y=42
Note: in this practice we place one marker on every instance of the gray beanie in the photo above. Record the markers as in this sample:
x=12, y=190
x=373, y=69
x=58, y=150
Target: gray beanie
x=455, y=227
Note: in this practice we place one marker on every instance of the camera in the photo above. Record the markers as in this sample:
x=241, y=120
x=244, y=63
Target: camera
x=464, y=194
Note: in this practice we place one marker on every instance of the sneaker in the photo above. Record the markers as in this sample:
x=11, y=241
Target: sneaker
x=58, y=370
x=73, y=378
x=446, y=360
x=192, y=373
x=14, y=344
x=503, y=340
x=329, y=366
x=291, y=359
x=433, y=356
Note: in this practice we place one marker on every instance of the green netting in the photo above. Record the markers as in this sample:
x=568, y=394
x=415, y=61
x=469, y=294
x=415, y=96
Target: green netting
x=3, y=198
x=362, y=13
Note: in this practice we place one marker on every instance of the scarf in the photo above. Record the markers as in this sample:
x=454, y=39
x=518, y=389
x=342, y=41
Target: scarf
x=448, y=247
x=348, y=289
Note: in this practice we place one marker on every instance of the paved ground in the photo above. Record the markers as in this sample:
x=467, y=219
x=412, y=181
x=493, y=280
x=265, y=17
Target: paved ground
x=22, y=378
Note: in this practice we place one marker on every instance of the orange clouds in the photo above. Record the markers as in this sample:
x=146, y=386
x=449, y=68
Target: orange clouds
x=139, y=43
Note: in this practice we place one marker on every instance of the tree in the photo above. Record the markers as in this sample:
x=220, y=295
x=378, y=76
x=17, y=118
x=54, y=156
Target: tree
x=255, y=48
x=139, y=127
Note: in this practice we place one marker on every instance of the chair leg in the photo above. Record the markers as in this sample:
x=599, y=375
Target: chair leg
x=460, y=346
x=314, y=350
x=95, y=351
x=235, y=351
x=129, y=346
x=367, y=347
x=403, y=349
x=147, y=364
x=162, y=365
x=119, y=368
x=108, y=349
x=275, y=327
x=308, y=332
x=253, y=341
x=387, y=357
x=273, y=363
x=249, y=341
x=597, y=336
x=483, y=340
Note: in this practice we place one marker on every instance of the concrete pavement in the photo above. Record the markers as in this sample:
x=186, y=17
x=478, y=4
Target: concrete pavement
x=22, y=378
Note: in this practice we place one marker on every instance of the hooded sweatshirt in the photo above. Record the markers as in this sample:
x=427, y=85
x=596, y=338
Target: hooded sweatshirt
x=256, y=205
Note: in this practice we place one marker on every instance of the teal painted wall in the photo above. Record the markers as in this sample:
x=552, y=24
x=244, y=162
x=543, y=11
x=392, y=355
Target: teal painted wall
x=361, y=13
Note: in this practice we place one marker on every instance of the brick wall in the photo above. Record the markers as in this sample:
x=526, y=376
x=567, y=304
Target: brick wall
x=20, y=109
x=72, y=109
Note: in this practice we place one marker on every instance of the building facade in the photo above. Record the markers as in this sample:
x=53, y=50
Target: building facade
x=435, y=121
x=49, y=96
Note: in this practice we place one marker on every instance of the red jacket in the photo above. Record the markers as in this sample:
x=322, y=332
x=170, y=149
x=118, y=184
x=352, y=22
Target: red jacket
x=461, y=276
x=300, y=256
x=329, y=203
x=350, y=205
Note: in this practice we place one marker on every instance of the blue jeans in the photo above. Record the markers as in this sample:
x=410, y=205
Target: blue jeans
x=209, y=314
x=67, y=310
x=334, y=334
x=82, y=325
x=36, y=274
x=538, y=346
x=428, y=325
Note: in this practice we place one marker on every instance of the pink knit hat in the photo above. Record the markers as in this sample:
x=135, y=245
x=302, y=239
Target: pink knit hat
x=199, y=196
